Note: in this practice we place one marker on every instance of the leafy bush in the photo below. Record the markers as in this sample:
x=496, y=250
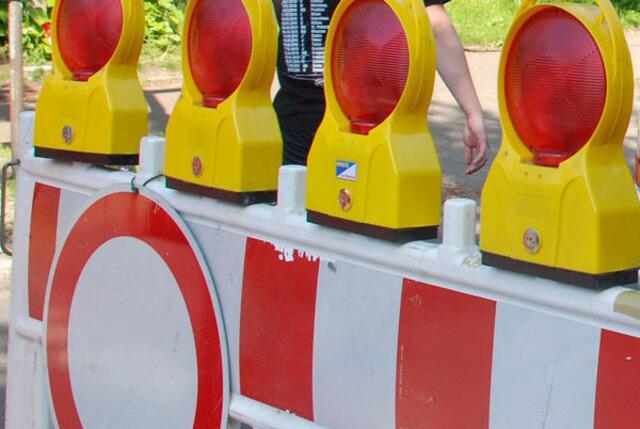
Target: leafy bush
x=162, y=34
x=35, y=31
x=164, y=24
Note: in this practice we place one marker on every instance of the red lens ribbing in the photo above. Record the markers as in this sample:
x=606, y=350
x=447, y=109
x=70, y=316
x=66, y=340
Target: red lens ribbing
x=370, y=63
x=220, y=44
x=88, y=33
x=555, y=85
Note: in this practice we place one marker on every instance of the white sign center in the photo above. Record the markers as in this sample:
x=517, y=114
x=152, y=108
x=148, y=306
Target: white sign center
x=131, y=350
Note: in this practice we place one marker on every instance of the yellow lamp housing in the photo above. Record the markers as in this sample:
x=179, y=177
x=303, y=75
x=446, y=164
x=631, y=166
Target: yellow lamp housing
x=223, y=138
x=92, y=107
x=559, y=201
x=373, y=166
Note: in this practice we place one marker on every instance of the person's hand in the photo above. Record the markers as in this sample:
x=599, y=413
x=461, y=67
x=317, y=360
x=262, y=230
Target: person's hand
x=476, y=146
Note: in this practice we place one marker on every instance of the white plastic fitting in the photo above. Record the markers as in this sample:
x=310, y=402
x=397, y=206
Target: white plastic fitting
x=152, y=150
x=459, y=229
x=292, y=189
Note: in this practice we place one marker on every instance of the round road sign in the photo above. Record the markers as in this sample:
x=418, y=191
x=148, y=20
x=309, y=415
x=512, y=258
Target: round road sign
x=133, y=331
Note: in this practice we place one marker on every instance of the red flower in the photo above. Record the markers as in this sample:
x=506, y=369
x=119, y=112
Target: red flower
x=47, y=29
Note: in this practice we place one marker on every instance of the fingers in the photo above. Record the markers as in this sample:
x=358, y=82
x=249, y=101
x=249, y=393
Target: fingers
x=483, y=153
x=476, y=165
x=475, y=140
x=480, y=160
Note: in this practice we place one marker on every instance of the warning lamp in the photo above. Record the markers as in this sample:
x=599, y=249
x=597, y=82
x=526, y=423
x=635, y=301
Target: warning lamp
x=223, y=138
x=559, y=201
x=92, y=107
x=373, y=167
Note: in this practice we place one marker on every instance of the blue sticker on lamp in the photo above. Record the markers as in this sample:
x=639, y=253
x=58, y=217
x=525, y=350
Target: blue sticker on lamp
x=346, y=170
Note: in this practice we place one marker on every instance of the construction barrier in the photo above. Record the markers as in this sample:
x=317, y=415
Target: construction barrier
x=139, y=301
x=164, y=309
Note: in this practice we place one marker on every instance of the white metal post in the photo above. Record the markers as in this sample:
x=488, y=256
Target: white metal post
x=16, y=65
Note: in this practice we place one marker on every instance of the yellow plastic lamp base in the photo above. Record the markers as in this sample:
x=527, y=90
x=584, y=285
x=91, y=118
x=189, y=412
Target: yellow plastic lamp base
x=574, y=217
x=373, y=168
x=98, y=116
x=223, y=139
x=224, y=153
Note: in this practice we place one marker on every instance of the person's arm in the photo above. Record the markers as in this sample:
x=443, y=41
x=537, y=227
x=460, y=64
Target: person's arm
x=454, y=70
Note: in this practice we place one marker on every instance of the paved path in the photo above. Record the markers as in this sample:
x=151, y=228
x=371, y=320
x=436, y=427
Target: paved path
x=447, y=123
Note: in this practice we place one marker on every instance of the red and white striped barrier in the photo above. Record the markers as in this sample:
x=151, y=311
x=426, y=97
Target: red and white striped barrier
x=138, y=306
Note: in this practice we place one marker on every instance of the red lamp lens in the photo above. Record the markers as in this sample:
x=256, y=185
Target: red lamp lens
x=555, y=85
x=88, y=34
x=370, y=63
x=220, y=44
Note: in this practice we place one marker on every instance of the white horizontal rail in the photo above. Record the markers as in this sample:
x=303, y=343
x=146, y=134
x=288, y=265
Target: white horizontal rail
x=425, y=261
x=262, y=416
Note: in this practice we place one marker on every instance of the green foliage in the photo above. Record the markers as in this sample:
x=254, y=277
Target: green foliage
x=35, y=29
x=629, y=11
x=486, y=22
x=164, y=25
x=36, y=32
x=162, y=33
x=480, y=22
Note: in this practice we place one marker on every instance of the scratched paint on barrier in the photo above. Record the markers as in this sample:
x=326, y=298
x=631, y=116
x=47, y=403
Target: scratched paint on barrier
x=290, y=254
x=277, y=328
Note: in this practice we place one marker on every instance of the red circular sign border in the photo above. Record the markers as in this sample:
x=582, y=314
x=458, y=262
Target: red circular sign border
x=128, y=214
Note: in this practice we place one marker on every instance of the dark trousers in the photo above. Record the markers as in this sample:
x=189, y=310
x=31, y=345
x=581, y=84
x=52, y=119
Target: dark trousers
x=296, y=145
